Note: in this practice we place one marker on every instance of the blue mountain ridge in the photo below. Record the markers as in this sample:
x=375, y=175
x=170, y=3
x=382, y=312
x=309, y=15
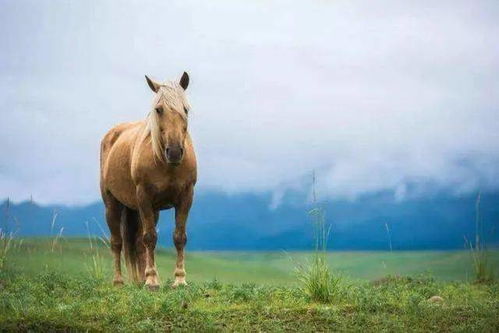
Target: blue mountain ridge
x=220, y=221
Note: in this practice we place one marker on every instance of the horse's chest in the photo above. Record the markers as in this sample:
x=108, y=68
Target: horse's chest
x=166, y=195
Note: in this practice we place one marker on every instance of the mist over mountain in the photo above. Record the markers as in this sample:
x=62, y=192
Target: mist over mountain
x=376, y=95
x=220, y=221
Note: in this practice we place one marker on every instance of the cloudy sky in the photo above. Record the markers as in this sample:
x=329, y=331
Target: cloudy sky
x=399, y=96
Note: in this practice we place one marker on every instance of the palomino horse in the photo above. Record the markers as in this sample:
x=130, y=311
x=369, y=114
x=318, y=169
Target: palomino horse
x=148, y=166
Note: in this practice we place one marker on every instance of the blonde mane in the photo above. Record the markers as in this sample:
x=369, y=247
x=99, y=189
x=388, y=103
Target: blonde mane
x=173, y=95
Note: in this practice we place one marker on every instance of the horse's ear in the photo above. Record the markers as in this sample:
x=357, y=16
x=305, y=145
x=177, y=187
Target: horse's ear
x=153, y=85
x=184, y=80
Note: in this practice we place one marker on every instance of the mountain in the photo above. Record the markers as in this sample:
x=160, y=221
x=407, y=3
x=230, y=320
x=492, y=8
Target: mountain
x=247, y=222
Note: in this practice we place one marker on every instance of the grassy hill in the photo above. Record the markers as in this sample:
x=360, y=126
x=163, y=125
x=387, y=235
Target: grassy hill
x=65, y=286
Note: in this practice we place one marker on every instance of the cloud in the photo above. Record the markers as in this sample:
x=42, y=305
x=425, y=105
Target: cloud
x=375, y=96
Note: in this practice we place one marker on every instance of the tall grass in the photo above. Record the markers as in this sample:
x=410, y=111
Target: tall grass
x=5, y=247
x=58, y=236
x=97, y=263
x=484, y=272
x=388, y=232
x=317, y=279
x=7, y=240
x=55, y=240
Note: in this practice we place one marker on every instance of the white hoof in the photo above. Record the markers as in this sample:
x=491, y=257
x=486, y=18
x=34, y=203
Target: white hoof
x=179, y=282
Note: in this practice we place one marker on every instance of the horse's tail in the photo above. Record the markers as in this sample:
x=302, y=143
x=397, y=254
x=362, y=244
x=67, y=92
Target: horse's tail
x=131, y=245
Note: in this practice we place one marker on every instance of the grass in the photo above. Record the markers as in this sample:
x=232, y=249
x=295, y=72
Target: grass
x=96, y=267
x=74, y=255
x=43, y=290
x=318, y=281
x=56, y=301
x=5, y=246
x=484, y=271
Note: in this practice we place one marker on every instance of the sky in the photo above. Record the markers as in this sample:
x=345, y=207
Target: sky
x=375, y=96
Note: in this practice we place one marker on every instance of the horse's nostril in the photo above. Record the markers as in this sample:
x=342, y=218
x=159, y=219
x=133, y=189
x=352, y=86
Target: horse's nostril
x=174, y=153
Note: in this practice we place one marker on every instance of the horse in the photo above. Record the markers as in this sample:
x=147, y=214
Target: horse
x=145, y=167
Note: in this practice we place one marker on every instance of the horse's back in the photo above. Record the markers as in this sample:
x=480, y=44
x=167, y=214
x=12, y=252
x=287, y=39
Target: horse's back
x=112, y=136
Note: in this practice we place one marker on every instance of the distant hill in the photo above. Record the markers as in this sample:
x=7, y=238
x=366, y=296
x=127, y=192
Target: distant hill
x=246, y=222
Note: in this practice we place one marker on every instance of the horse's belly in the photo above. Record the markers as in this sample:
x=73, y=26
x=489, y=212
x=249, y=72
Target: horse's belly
x=124, y=191
x=125, y=195
x=165, y=206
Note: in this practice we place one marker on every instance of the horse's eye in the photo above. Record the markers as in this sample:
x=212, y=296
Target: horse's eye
x=159, y=110
x=185, y=110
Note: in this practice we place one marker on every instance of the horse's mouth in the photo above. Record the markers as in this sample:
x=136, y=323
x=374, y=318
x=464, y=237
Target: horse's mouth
x=174, y=164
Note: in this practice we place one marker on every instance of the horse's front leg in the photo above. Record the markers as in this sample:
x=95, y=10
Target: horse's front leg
x=148, y=218
x=180, y=236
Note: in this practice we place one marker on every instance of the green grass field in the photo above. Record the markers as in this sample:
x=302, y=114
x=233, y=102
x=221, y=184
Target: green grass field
x=67, y=287
x=74, y=257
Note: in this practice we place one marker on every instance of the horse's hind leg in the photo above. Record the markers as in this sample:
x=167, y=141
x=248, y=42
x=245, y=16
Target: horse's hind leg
x=114, y=210
x=180, y=236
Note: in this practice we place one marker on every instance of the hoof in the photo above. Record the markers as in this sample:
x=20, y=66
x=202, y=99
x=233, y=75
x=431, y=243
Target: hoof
x=153, y=287
x=178, y=283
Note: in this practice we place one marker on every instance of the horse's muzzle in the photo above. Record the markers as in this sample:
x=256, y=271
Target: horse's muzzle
x=174, y=154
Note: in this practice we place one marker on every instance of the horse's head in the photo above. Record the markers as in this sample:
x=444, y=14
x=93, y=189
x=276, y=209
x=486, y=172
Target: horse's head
x=168, y=119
